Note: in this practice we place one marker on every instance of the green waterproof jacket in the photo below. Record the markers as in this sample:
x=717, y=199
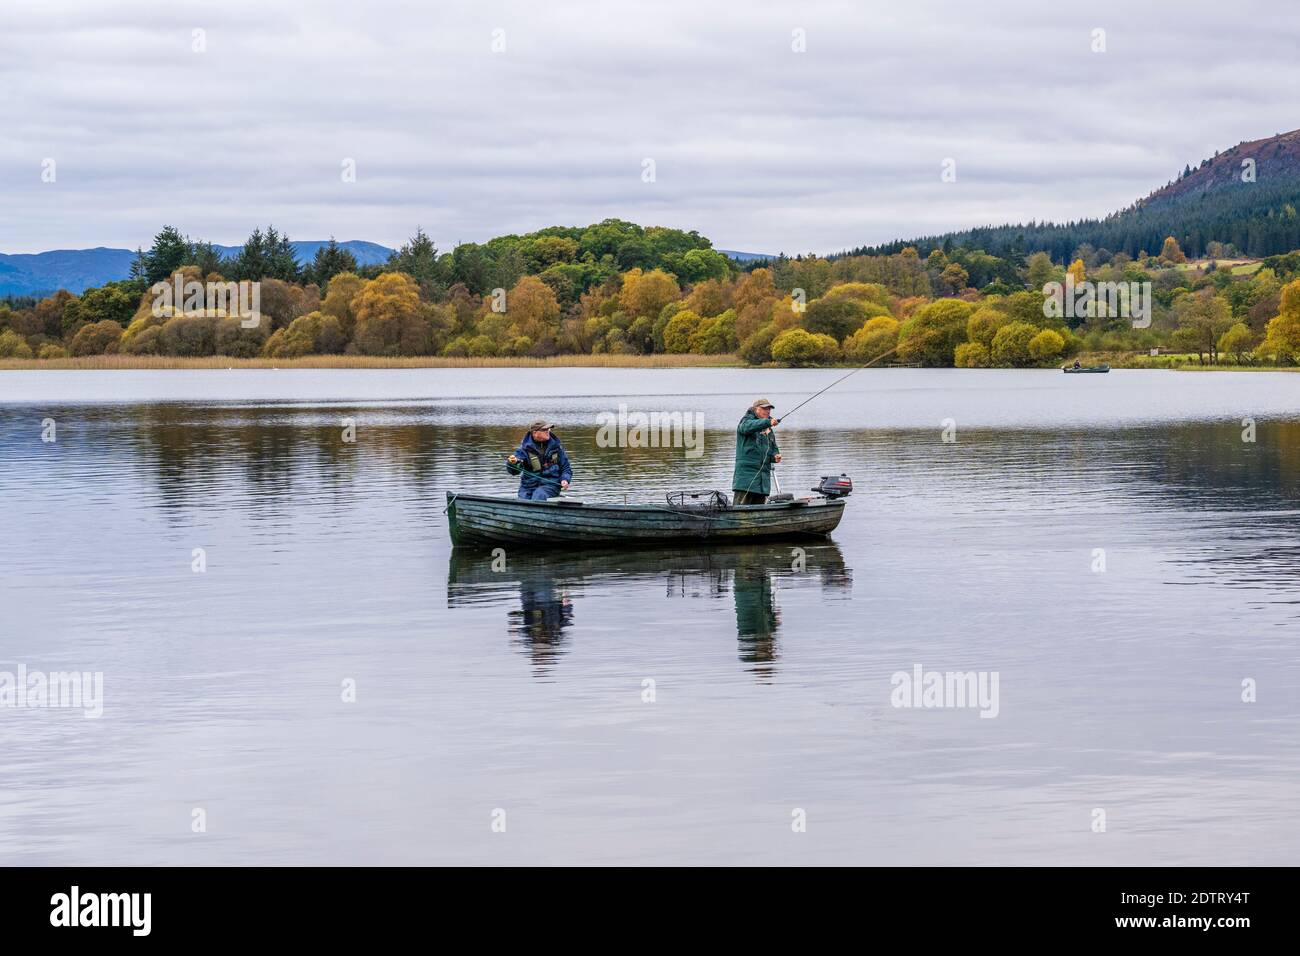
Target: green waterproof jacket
x=754, y=454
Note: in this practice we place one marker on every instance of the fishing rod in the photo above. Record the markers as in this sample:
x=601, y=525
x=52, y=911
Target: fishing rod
x=782, y=418
x=519, y=469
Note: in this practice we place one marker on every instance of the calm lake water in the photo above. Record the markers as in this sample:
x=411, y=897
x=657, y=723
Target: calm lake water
x=523, y=689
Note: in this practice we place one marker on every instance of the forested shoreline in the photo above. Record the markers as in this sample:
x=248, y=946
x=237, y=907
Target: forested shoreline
x=616, y=289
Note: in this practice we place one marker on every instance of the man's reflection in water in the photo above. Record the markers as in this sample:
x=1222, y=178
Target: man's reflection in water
x=757, y=618
x=544, y=612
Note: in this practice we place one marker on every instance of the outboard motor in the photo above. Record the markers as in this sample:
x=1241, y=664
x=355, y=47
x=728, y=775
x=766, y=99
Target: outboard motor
x=833, y=486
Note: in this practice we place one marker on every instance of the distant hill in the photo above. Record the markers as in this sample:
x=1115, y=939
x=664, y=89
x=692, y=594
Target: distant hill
x=745, y=256
x=79, y=269
x=367, y=253
x=73, y=269
x=1277, y=160
x=1209, y=202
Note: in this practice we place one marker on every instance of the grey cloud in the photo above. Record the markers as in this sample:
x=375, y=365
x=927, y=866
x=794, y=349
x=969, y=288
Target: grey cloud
x=756, y=146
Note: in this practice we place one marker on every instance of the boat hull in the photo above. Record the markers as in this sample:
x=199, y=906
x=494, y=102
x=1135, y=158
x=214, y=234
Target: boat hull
x=477, y=520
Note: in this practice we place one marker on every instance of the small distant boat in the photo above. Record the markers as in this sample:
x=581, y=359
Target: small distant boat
x=567, y=522
x=1086, y=368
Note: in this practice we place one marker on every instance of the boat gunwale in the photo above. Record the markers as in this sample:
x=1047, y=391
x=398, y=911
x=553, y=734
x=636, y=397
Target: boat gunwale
x=800, y=503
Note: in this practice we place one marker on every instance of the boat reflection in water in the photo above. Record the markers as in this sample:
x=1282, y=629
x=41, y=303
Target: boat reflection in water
x=549, y=583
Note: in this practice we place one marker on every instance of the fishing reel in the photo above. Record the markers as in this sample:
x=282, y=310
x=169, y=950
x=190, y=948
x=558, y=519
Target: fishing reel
x=833, y=486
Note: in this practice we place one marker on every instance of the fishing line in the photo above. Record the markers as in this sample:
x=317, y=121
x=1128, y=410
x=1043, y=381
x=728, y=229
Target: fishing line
x=781, y=418
x=556, y=482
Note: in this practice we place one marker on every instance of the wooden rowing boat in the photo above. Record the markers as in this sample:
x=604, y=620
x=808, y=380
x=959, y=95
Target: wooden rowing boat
x=1086, y=369
x=564, y=522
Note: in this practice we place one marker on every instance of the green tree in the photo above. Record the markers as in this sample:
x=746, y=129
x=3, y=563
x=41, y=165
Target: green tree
x=1202, y=318
x=418, y=258
x=984, y=324
x=838, y=318
x=542, y=252
x=282, y=261
x=316, y=333
x=206, y=257
x=12, y=345
x=99, y=338
x=636, y=253
x=51, y=313
x=1023, y=306
x=872, y=292
x=187, y=335
x=1010, y=346
x=252, y=261
x=679, y=330
x=699, y=265
x=1237, y=342
x=709, y=298
x=533, y=311
x=647, y=293
x=331, y=259
x=235, y=339
x=1040, y=270
x=170, y=251
x=1046, y=346
x=934, y=331
x=390, y=320
x=756, y=349
x=972, y=355
x=799, y=347
x=342, y=290
x=813, y=275
x=474, y=266
x=952, y=280
x=877, y=337
x=1282, y=334
x=715, y=336
x=113, y=302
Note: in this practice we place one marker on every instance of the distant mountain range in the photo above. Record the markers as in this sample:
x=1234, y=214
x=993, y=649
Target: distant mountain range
x=79, y=269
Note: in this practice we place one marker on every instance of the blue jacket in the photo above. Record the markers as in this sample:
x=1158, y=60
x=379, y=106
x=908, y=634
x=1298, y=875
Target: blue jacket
x=548, y=460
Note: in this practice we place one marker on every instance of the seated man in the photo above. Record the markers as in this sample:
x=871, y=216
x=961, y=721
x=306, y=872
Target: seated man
x=541, y=463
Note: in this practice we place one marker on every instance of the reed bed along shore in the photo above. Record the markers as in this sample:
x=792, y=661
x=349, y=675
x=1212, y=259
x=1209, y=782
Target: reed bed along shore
x=107, y=362
x=175, y=363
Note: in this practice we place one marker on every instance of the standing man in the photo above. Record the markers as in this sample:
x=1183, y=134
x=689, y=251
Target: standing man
x=541, y=464
x=756, y=453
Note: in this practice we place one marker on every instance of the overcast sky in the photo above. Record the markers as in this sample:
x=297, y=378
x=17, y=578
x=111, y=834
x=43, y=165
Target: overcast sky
x=757, y=146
